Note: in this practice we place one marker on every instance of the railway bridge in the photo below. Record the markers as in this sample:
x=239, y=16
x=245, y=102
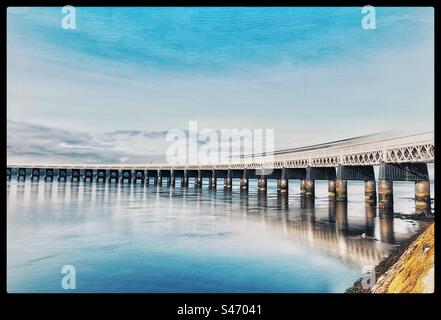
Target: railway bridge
x=399, y=158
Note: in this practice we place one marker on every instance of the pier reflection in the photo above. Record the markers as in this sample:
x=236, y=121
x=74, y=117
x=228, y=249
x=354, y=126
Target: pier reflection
x=387, y=225
x=333, y=233
x=371, y=214
x=304, y=220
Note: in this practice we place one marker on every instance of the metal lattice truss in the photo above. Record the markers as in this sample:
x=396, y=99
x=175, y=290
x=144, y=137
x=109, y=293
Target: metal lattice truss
x=404, y=149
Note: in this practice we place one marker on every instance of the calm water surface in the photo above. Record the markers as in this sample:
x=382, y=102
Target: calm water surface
x=136, y=238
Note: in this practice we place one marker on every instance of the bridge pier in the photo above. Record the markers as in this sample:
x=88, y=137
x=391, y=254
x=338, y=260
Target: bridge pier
x=341, y=190
x=282, y=185
x=262, y=184
x=244, y=183
x=75, y=175
x=331, y=189
x=101, y=175
x=21, y=175
x=385, y=194
x=198, y=180
x=184, y=180
x=171, y=182
x=370, y=193
x=49, y=175
x=126, y=175
x=422, y=196
x=228, y=183
x=35, y=175
x=88, y=175
x=309, y=188
x=303, y=187
x=213, y=181
x=62, y=175
x=113, y=176
x=158, y=180
x=139, y=176
x=8, y=173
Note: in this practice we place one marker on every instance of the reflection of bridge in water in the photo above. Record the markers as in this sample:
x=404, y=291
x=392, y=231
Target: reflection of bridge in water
x=334, y=236
x=331, y=233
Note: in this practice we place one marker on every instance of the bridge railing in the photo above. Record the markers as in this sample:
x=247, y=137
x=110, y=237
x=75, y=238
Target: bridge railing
x=409, y=148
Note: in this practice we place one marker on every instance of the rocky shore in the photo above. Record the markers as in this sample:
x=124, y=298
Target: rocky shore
x=409, y=269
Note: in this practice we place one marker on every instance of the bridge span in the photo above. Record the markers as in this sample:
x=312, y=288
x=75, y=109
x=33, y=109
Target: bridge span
x=400, y=158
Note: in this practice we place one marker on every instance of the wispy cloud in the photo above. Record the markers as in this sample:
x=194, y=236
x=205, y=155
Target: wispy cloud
x=28, y=142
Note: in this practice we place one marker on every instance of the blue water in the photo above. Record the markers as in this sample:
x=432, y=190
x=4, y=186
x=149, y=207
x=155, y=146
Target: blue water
x=135, y=238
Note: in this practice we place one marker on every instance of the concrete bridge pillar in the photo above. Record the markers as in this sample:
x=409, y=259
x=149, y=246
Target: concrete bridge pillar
x=370, y=193
x=198, y=180
x=75, y=175
x=49, y=175
x=309, y=188
x=171, y=181
x=8, y=173
x=422, y=196
x=21, y=174
x=62, y=175
x=228, y=181
x=113, y=175
x=341, y=190
x=101, y=176
x=184, y=180
x=139, y=176
x=126, y=176
x=303, y=187
x=35, y=175
x=213, y=181
x=244, y=183
x=331, y=189
x=282, y=185
x=88, y=175
x=262, y=184
x=158, y=180
x=385, y=194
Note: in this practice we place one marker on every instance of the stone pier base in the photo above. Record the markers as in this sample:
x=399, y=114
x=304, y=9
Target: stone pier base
x=244, y=184
x=422, y=196
x=370, y=193
x=303, y=187
x=331, y=189
x=282, y=185
x=385, y=194
x=262, y=184
x=341, y=190
x=309, y=188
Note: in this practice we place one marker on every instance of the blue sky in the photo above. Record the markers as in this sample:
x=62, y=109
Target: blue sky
x=312, y=74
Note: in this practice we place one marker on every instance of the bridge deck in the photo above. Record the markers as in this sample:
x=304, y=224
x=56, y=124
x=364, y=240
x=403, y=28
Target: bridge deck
x=367, y=150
